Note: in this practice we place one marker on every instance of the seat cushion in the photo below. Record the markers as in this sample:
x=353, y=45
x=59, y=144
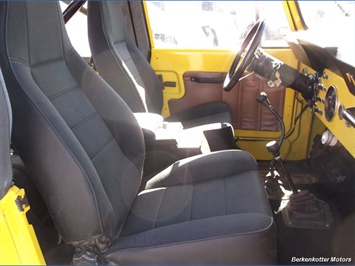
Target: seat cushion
x=198, y=209
x=216, y=112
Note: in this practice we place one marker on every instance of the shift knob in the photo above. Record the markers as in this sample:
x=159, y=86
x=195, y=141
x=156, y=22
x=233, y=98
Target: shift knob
x=274, y=148
x=262, y=98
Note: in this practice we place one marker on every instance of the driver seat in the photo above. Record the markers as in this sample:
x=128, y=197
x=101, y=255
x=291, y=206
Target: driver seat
x=85, y=152
x=123, y=66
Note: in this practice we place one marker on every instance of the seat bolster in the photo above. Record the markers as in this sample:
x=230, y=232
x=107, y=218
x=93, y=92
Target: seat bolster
x=114, y=50
x=108, y=104
x=201, y=168
x=242, y=238
x=5, y=136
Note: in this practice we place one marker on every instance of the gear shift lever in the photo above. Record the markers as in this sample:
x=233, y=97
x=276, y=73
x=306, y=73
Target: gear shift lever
x=274, y=146
x=303, y=209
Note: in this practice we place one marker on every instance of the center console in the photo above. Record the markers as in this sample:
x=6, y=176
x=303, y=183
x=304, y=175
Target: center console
x=168, y=142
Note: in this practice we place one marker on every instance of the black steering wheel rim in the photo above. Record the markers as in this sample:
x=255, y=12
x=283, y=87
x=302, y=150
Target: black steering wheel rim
x=253, y=38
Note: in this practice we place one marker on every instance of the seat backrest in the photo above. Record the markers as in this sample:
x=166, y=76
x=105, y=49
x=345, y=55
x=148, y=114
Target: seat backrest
x=78, y=138
x=118, y=59
x=5, y=133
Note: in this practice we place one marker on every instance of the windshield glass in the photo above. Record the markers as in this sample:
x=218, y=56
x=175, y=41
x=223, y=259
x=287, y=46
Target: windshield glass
x=331, y=24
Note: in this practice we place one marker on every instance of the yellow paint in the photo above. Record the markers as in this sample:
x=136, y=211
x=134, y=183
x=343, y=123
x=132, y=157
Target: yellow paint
x=337, y=126
x=18, y=242
x=173, y=63
x=295, y=145
x=293, y=15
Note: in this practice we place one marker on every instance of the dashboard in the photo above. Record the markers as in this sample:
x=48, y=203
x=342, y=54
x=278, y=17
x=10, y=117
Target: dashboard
x=335, y=96
x=329, y=90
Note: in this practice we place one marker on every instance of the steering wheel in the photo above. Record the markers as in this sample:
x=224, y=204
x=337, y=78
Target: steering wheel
x=252, y=41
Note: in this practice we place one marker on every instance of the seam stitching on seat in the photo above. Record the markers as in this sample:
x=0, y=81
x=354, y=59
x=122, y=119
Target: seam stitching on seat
x=28, y=38
x=102, y=149
x=83, y=121
x=48, y=62
x=87, y=176
x=66, y=57
x=224, y=196
x=129, y=60
x=191, y=201
x=61, y=30
x=257, y=187
x=62, y=92
x=160, y=203
x=112, y=48
x=19, y=61
x=62, y=58
x=203, y=239
x=129, y=74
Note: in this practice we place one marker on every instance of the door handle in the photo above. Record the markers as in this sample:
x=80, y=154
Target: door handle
x=207, y=80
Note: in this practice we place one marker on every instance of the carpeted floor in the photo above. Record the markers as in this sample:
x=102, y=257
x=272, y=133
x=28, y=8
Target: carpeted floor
x=331, y=178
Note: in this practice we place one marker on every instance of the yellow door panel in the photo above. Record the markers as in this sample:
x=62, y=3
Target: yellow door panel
x=177, y=66
x=197, y=91
x=173, y=64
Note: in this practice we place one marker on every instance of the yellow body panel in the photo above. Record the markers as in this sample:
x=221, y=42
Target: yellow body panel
x=173, y=63
x=296, y=144
x=293, y=16
x=18, y=242
x=345, y=134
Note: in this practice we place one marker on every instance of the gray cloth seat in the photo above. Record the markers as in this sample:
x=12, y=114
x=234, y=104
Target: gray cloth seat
x=190, y=213
x=5, y=134
x=85, y=153
x=127, y=71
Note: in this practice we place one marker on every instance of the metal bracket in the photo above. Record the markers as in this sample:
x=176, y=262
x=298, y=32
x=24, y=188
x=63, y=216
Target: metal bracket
x=22, y=203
